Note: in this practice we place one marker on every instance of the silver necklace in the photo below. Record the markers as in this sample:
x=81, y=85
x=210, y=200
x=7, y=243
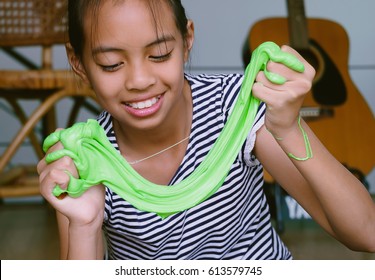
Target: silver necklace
x=158, y=153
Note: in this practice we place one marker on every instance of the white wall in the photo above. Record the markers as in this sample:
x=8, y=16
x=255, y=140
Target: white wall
x=221, y=27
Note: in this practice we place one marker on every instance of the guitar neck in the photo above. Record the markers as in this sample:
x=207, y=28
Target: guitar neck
x=299, y=37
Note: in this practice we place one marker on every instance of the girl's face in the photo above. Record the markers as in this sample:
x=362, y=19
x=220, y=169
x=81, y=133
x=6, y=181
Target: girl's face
x=134, y=61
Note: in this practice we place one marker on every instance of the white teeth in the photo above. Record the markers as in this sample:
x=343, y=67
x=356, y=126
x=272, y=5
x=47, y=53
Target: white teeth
x=144, y=104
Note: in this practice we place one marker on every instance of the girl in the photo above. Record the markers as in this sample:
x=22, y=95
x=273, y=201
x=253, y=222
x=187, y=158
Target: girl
x=163, y=122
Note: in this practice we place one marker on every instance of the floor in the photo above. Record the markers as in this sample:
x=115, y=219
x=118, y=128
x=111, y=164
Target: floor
x=28, y=232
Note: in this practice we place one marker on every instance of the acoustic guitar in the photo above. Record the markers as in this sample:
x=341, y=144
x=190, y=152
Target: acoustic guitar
x=335, y=109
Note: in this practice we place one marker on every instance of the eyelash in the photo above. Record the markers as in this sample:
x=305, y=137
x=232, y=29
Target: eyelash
x=111, y=68
x=114, y=67
x=161, y=58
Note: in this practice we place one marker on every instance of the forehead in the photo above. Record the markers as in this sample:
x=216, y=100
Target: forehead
x=138, y=14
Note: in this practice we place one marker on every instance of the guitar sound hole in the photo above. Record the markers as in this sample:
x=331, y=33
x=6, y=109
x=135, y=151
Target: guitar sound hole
x=328, y=86
x=315, y=61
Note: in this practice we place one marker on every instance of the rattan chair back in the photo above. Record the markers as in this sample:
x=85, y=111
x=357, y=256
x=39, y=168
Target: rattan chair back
x=32, y=22
x=40, y=23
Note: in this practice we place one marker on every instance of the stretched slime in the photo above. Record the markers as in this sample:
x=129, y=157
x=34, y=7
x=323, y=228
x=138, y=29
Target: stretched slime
x=98, y=162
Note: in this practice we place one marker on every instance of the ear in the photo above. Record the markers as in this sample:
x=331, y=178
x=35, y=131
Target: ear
x=76, y=63
x=189, y=40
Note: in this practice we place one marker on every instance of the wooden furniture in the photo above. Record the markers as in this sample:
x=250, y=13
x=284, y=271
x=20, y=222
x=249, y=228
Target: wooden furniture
x=34, y=23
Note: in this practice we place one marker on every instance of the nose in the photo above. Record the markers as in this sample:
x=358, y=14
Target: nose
x=139, y=76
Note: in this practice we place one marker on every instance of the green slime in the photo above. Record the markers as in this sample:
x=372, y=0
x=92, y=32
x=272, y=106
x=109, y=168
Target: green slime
x=98, y=162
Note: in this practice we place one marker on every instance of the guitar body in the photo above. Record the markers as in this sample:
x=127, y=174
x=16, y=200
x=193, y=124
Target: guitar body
x=349, y=132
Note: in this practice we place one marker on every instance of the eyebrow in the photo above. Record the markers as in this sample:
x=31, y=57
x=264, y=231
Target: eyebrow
x=106, y=49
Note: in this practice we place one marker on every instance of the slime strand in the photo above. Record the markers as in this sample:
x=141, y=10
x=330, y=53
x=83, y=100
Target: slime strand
x=98, y=162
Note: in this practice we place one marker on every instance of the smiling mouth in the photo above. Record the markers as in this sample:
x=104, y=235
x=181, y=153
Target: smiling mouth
x=144, y=104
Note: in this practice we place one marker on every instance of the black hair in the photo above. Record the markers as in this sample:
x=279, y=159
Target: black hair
x=77, y=9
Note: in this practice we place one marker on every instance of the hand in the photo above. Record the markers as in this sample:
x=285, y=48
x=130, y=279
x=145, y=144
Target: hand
x=82, y=210
x=283, y=101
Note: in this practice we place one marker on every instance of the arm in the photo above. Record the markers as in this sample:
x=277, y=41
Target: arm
x=327, y=190
x=323, y=186
x=81, y=242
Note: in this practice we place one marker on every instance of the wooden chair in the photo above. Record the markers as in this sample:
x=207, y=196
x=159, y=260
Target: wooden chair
x=34, y=23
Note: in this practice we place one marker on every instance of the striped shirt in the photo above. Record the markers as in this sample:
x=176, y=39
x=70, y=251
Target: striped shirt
x=234, y=223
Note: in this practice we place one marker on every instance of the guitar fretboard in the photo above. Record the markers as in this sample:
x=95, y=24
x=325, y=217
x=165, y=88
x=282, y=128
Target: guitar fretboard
x=299, y=37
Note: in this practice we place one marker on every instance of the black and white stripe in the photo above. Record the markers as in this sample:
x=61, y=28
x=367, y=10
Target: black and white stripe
x=234, y=223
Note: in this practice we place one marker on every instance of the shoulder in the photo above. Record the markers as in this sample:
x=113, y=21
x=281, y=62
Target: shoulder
x=218, y=80
x=222, y=88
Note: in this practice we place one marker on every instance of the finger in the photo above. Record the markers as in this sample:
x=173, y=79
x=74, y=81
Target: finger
x=296, y=84
x=65, y=163
x=287, y=73
x=266, y=94
x=263, y=79
x=55, y=147
x=289, y=49
x=56, y=155
x=41, y=165
x=52, y=139
x=50, y=180
x=309, y=69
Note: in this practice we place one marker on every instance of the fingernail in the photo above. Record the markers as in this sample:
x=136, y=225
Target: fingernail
x=62, y=196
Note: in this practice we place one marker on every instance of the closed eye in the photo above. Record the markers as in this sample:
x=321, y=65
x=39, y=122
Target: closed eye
x=111, y=68
x=161, y=58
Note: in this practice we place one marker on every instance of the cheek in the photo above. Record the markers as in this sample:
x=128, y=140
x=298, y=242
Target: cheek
x=173, y=74
x=103, y=84
x=106, y=87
